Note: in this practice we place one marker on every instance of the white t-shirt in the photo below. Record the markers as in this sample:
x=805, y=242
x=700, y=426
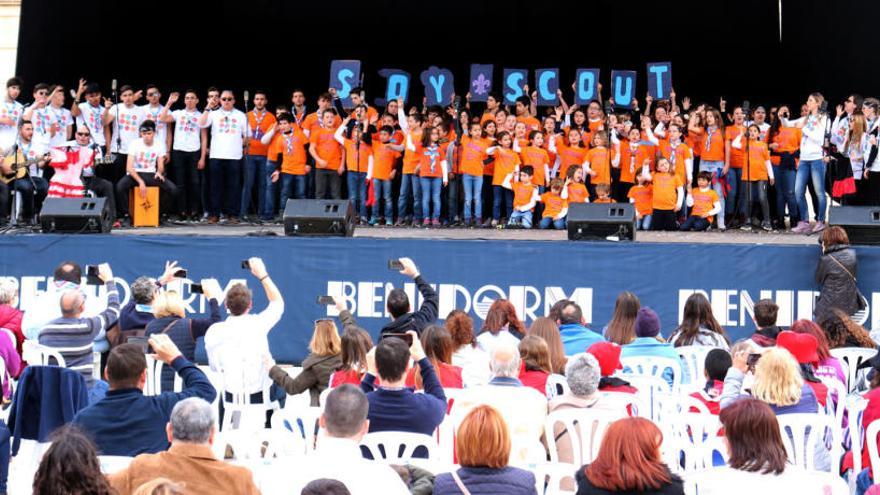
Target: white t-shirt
x=125, y=126
x=187, y=133
x=90, y=117
x=32, y=150
x=44, y=118
x=8, y=133
x=152, y=113
x=228, y=131
x=146, y=157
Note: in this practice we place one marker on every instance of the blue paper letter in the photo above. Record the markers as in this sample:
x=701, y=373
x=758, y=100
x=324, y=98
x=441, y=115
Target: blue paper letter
x=345, y=75
x=397, y=85
x=659, y=80
x=586, y=88
x=514, y=80
x=623, y=87
x=438, y=85
x=547, y=81
x=481, y=81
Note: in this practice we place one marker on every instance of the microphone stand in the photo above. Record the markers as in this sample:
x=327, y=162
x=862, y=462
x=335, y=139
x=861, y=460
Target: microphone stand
x=748, y=219
x=247, y=143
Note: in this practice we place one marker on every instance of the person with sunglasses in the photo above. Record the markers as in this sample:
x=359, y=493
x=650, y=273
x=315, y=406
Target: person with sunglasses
x=155, y=111
x=75, y=171
x=146, y=168
x=229, y=131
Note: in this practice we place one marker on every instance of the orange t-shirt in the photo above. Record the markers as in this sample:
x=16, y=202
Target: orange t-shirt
x=603, y=200
x=506, y=161
x=704, y=201
x=599, y=159
x=530, y=122
x=643, y=198
x=259, y=127
x=577, y=193
x=383, y=160
x=430, y=161
x=569, y=156
x=487, y=117
x=312, y=123
x=553, y=204
x=473, y=154
x=326, y=147
x=411, y=158
x=357, y=160
x=758, y=156
x=631, y=162
x=665, y=191
x=737, y=156
x=677, y=157
x=292, y=148
x=537, y=158
x=694, y=140
x=590, y=130
x=546, y=147
x=522, y=193
x=712, y=146
x=788, y=139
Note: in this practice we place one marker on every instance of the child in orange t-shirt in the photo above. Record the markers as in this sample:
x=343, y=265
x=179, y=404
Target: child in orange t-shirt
x=473, y=158
x=668, y=191
x=575, y=190
x=535, y=155
x=287, y=152
x=603, y=194
x=525, y=195
x=328, y=157
x=599, y=160
x=571, y=154
x=704, y=203
x=358, y=160
x=642, y=197
x=410, y=183
x=506, y=162
x=555, y=206
x=757, y=172
x=432, y=170
x=382, y=172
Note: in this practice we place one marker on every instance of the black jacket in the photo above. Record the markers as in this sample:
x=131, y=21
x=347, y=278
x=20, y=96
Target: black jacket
x=584, y=487
x=835, y=275
x=418, y=320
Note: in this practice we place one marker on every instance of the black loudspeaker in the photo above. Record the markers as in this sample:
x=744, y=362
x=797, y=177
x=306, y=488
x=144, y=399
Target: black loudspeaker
x=601, y=222
x=75, y=215
x=319, y=217
x=861, y=223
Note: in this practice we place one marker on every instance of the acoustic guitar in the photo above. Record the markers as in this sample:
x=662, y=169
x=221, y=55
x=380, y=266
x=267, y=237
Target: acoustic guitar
x=19, y=170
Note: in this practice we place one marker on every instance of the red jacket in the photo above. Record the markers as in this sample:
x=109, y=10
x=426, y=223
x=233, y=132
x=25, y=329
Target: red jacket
x=536, y=379
x=449, y=376
x=10, y=319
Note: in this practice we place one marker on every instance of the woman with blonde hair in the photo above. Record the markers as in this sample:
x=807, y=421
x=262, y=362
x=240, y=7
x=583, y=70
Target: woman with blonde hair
x=325, y=357
x=535, y=356
x=622, y=328
x=548, y=330
x=159, y=486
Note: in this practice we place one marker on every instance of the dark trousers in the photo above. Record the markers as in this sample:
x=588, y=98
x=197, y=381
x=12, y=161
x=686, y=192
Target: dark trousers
x=185, y=173
x=694, y=222
x=32, y=196
x=663, y=220
x=113, y=172
x=872, y=196
x=102, y=189
x=327, y=179
x=452, y=202
x=167, y=189
x=225, y=194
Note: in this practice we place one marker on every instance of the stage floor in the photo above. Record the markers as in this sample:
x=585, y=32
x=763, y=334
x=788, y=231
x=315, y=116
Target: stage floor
x=713, y=237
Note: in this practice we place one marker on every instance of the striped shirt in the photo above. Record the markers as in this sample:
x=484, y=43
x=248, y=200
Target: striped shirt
x=73, y=337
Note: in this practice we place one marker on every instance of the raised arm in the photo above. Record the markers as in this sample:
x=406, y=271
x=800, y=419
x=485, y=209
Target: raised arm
x=427, y=313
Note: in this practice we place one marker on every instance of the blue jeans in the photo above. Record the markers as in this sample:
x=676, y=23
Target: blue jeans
x=267, y=207
x=547, y=222
x=473, y=187
x=814, y=171
x=714, y=167
x=225, y=187
x=734, y=179
x=254, y=175
x=523, y=218
x=863, y=481
x=291, y=184
x=98, y=391
x=431, y=194
x=357, y=192
x=501, y=194
x=382, y=188
x=694, y=222
x=410, y=190
x=644, y=223
x=4, y=455
x=785, y=176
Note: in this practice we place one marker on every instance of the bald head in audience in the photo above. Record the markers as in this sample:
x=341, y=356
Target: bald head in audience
x=72, y=303
x=505, y=360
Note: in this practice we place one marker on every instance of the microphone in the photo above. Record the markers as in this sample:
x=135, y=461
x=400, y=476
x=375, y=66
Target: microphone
x=746, y=107
x=113, y=85
x=72, y=93
x=823, y=108
x=246, y=96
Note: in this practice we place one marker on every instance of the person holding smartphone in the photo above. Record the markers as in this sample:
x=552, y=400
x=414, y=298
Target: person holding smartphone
x=398, y=305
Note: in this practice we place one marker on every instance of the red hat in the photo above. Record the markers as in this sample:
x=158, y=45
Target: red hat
x=802, y=346
x=608, y=355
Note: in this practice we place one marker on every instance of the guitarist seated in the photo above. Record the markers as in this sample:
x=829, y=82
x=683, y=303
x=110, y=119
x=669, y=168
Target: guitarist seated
x=75, y=173
x=21, y=169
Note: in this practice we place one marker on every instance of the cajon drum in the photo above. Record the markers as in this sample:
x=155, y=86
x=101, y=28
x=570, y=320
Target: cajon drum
x=144, y=212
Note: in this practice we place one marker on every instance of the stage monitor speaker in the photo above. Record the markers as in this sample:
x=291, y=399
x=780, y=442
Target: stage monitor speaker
x=861, y=223
x=76, y=215
x=601, y=222
x=319, y=217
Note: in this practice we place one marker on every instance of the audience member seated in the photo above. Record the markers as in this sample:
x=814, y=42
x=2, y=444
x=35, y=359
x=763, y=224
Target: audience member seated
x=325, y=350
x=338, y=455
x=239, y=346
x=11, y=365
x=126, y=422
x=699, y=326
x=804, y=349
x=622, y=328
x=576, y=337
x=138, y=313
x=535, y=367
x=438, y=349
x=467, y=355
x=629, y=461
x=393, y=406
x=403, y=318
x=356, y=343
x=843, y=332
x=325, y=486
x=827, y=365
x=582, y=375
x=649, y=343
x=170, y=319
x=70, y=465
x=717, y=363
x=189, y=460
x=765, y=320
x=524, y=409
x=608, y=356
x=501, y=325
x=872, y=413
x=10, y=315
x=548, y=330
x=483, y=447
x=74, y=335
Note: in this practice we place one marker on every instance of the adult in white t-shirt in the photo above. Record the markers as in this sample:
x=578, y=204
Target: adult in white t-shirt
x=145, y=168
x=91, y=113
x=10, y=114
x=188, y=154
x=154, y=111
x=229, y=129
x=33, y=187
x=53, y=123
x=123, y=121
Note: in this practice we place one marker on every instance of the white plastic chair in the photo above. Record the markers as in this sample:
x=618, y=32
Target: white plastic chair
x=265, y=443
x=322, y=397
x=630, y=404
x=584, y=428
x=299, y=426
x=239, y=409
x=835, y=403
x=154, y=377
x=556, y=385
x=855, y=406
x=802, y=433
x=692, y=438
x=871, y=439
x=396, y=447
x=853, y=357
x=653, y=366
x=37, y=354
x=694, y=357
x=550, y=475
x=114, y=463
x=712, y=481
x=649, y=389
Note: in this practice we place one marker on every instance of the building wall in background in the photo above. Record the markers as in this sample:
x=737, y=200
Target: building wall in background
x=10, y=15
